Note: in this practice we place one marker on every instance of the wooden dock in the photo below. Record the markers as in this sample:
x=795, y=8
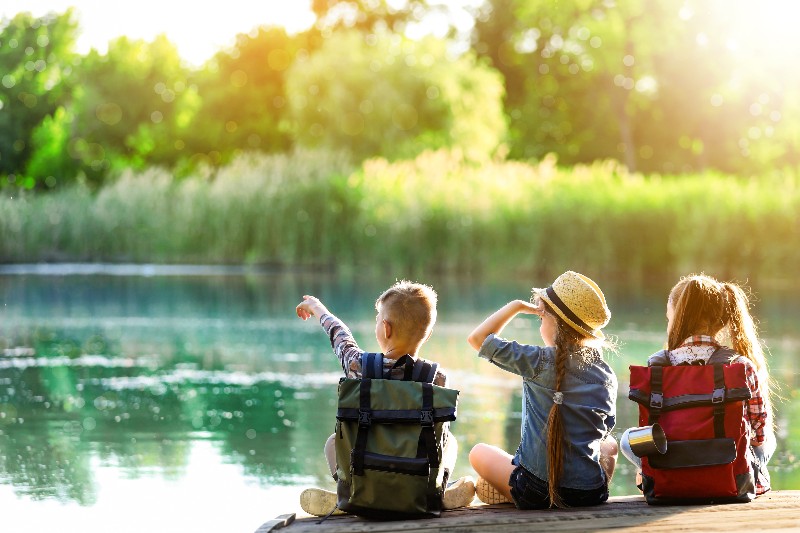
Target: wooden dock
x=774, y=511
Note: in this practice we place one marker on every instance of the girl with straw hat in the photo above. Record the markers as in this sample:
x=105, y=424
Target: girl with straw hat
x=566, y=455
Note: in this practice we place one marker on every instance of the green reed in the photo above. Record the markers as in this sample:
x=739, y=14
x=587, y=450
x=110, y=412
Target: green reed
x=439, y=212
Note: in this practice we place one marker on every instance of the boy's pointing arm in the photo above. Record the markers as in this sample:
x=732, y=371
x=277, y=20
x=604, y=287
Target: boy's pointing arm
x=342, y=341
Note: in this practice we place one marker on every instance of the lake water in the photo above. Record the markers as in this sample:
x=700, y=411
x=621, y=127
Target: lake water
x=174, y=399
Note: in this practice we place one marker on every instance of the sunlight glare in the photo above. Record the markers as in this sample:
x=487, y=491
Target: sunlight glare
x=766, y=31
x=198, y=29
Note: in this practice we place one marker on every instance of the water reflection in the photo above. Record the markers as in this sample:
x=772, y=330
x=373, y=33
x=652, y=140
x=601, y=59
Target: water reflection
x=55, y=416
x=132, y=373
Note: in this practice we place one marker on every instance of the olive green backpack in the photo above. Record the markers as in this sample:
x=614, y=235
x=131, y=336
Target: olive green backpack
x=389, y=438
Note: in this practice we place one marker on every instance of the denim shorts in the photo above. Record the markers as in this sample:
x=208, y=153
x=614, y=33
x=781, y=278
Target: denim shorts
x=530, y=492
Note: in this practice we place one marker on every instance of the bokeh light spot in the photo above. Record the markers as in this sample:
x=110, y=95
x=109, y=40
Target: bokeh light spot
x=279, y=59
x=404, y=116
x=109, y=113
x=352, y=123
x=366, y=106
x=238, y=78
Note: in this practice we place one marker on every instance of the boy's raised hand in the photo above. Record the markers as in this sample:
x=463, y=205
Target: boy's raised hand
x=310, y=306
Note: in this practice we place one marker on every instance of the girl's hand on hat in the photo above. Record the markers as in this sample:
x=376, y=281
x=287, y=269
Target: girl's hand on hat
x=528, y=308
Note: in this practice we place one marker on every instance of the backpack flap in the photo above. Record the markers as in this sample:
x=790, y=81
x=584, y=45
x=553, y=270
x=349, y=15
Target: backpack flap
x=395, y=401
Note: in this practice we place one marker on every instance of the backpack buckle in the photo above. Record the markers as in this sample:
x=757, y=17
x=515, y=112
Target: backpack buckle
x=656, y=400
x=426, y=417
x=718, y=396
x=364, y=418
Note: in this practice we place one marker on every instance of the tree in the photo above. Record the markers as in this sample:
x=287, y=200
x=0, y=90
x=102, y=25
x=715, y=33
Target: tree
x=242, y=92
x=657, y=84
x=36, y=57
x=368, y=15
x=132, y=107
x=382, y=94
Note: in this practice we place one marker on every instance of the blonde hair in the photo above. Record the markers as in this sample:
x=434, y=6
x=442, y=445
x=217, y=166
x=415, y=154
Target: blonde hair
x=703, y=305
x=410, y=308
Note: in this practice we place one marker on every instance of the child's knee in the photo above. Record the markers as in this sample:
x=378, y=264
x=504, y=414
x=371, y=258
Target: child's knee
x=609, y=447
x=477, y=455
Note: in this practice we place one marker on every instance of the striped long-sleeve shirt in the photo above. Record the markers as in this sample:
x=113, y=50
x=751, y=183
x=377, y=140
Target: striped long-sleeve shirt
x=349, y=353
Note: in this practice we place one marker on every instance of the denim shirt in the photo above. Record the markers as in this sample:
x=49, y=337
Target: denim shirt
x=588, y=409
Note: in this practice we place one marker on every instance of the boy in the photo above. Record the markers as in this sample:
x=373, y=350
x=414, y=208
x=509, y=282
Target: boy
x=406, y=314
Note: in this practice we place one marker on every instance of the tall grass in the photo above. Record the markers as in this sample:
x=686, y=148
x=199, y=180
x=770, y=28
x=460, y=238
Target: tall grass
x=438, y=212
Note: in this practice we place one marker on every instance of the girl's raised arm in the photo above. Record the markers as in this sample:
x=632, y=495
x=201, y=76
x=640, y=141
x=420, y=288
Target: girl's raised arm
x=498, y=320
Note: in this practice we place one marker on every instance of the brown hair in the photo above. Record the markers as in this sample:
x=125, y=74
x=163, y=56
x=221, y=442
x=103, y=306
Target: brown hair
x=568, y=341
x=703, y=305
x=410, y=308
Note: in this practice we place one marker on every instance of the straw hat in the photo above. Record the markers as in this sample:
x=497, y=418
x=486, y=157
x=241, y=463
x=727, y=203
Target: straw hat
x=579, y=301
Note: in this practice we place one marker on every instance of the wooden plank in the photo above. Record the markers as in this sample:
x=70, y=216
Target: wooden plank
x=775, y=511
x=276, y=523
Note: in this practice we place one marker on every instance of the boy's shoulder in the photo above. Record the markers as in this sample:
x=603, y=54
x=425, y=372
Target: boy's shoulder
x=439, y=379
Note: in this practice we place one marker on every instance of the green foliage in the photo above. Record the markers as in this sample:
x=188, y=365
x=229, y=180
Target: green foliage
x=242, y=96
x=369, y=15
x=657, y=84
x=314, y=209
x=127, y=108
x=50, y=157
x=381, y=94
x=35, y=61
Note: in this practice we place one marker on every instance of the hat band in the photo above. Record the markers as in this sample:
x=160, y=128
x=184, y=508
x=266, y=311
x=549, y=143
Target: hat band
x=566, y=310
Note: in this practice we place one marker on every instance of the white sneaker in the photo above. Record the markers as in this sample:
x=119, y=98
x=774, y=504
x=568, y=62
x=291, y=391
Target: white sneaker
x=459, y=493
x=489, y=494
x=319, y=502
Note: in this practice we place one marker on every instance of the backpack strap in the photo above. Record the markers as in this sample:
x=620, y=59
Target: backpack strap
x=427, y=446
x=657, y=362
x=364, y=422
x=722, y=356
x=424, y=371
x=659, y=359
x=718, y=400
x=372, y=365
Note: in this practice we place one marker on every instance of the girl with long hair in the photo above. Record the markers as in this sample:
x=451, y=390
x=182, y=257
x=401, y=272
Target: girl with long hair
x=566, y=455
x=704, y=314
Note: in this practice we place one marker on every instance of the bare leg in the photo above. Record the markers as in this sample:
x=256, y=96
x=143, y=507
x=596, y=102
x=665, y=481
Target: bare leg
x=449, y=452
x=320, y=502
x=330, y=454
x=494, y=465
x=608, y=456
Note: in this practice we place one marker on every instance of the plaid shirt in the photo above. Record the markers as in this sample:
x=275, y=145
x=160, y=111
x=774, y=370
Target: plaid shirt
x=697, y=350
x=349, y=354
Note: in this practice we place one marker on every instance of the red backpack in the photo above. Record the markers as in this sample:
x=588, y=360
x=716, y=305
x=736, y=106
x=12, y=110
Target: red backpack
x=700, y=409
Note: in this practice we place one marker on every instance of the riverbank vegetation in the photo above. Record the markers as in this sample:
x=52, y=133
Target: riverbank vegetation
x=661, y=86
x=438, y=212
